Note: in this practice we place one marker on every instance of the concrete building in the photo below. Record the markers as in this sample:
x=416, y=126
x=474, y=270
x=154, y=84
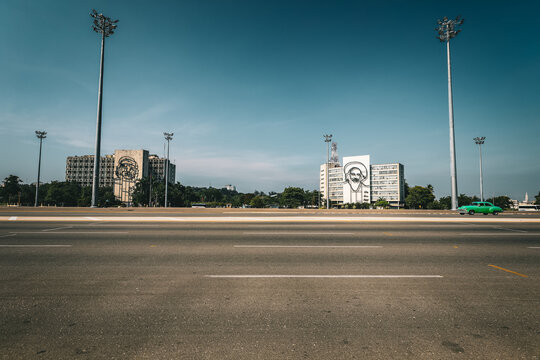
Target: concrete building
x=388, y=182
x=81, y=170
x=359, y=181
x=120, y=171
x=335, y=182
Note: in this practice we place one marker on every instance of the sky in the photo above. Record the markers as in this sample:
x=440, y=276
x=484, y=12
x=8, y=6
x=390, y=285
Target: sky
x=249, y=88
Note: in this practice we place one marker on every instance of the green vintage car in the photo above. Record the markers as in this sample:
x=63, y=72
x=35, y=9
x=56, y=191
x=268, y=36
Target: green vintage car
x=483, y=207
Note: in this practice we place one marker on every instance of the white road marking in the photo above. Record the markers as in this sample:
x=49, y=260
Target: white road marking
x=322, y=276
x=307, y=246
x=534, y=247
x=7, y=235
x=64, y=227
x=13, y=218
x=295, y=233
x=24, y=246
x=71, y=232
x=499, y=234
x=502, y=228
x=274, y=219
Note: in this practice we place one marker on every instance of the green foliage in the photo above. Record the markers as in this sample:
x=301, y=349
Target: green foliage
x=503, y=202
x=357, y=205
x=259, y=201
x=420, y=197
x=381, y=202
x=312, y=198
x=537, y=197
x=466, y=200
x=11, y=190
x=292, y=197
x=445, y=203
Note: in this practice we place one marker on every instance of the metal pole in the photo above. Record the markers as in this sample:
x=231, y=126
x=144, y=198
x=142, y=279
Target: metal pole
x=328, y=176
x=481, y=179
x=167, y=173
x=168, y=137
x=447, y=30
x=453, y=169
x=104, y=26
x=97, y=156
x=327, y=139
x=39, y=170
x=150, y=190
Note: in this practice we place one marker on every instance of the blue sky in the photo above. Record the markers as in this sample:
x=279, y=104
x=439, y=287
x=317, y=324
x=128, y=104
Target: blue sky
x=250, y=87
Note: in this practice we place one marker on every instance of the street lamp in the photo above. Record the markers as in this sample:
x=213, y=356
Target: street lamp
x=327, y=139
x=168, y=137
x=480, y=141
x=40, y=135
x=447, y=30
x=105, y=26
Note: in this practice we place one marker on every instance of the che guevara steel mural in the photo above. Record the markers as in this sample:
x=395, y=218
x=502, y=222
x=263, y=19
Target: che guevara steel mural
x=126, y=174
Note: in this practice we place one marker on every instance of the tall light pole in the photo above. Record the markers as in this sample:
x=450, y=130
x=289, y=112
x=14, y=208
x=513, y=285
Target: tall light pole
x=40, y=135
x=168, y=137
x=327, y=140
x=479, y=141
x=447, y=30
x=105, y=26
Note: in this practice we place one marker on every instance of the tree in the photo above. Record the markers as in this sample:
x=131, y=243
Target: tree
x=503, y=202
x=292, y=197
x=419, y=197
x=381, y=202
x=537, y=197
x=12, y=188
x=259, y=201
x=445, y=203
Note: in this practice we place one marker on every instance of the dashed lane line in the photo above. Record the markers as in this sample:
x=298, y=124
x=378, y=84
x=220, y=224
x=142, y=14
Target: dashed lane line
x=499, y=234
x=64, y=227
x=71, y=232
x=92, y=218
x=33, y=246
x=296, y=233
x=320, y=276
x=308, y=246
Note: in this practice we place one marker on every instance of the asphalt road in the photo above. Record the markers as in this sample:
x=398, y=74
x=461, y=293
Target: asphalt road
x=301, y=289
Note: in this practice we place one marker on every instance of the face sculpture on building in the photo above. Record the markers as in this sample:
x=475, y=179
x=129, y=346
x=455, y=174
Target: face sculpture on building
x=127, y=169
x=355, y=175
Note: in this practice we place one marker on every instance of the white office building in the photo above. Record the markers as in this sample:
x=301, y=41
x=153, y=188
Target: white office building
x=359, y=181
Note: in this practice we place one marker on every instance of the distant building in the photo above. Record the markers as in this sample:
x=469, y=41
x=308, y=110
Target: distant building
x=388, y=182
x=335, y=182
x=120, y=171
x=358, y=181
x=230, y=187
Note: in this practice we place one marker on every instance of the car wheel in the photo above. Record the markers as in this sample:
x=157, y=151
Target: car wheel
x=461, y=213
x=471, y=212
x=495, y=213
x=485, y=213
